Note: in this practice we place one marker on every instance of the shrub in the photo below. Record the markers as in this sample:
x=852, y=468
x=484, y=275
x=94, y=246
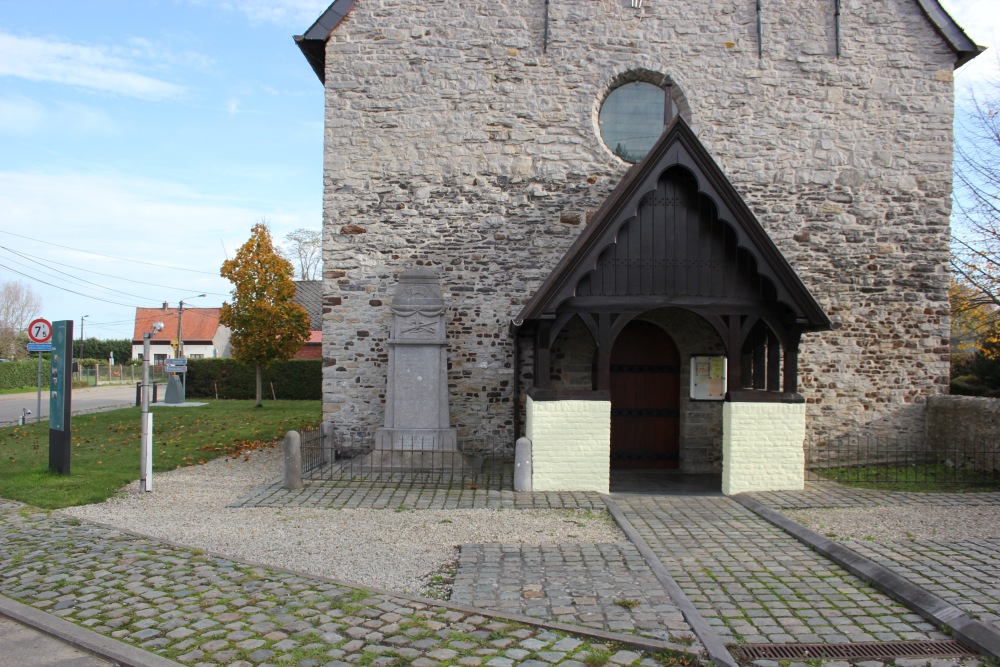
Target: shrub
x=19, y=374
x=296, y=379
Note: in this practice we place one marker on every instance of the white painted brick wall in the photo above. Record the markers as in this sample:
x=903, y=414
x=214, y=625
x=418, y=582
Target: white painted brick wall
x=570, y=445
x=762, y=447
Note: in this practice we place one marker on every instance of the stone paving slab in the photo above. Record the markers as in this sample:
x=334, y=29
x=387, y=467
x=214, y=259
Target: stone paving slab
x=205, y=610
x=340, y=495
x=600, y=585
x=755, y=584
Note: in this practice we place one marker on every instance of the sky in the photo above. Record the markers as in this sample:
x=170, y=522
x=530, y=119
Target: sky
x=140, y=140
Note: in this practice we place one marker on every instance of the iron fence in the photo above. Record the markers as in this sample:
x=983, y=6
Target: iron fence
x=354, y=455
x=904, y=458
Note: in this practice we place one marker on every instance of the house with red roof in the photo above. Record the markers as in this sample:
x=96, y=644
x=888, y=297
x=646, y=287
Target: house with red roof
x=196, y=329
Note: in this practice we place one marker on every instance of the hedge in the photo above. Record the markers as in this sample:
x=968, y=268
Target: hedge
x=297, y=379
x=21, y=374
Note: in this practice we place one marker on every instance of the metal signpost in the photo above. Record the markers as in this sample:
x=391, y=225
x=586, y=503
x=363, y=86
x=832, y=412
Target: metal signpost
x=60, y=397
x=40, y=333
x=146, y=425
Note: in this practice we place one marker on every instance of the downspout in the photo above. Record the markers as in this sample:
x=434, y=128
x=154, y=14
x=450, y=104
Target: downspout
x=545, y=37
x=760, y=33
x=515, y=334
x=836, y=24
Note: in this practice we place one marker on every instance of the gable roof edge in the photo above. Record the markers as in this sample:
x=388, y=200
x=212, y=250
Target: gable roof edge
x=953, y=33
x=312, y=43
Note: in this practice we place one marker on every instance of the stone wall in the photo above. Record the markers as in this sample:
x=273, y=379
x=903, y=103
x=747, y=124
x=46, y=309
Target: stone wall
x=966, y=427
x=454, y=141
x=763, y=447
x=570, y=445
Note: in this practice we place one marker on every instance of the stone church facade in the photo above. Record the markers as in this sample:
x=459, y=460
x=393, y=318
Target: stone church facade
x=466, y=138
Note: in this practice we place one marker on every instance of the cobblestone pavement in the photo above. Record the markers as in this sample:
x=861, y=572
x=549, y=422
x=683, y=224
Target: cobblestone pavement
x=339, y=495
x=965, y=573
x=755, y=584
x=207, y=611
x=601, y=585
x=830, y=494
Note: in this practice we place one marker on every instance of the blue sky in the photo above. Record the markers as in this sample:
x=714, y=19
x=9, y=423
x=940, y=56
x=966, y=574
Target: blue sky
x=141, y=139
x=150, y=130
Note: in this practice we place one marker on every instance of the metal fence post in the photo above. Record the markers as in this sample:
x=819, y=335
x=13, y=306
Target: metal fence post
x=293, y=460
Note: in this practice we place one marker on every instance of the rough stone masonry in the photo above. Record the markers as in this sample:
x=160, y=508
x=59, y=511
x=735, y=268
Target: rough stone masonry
x=458, y=139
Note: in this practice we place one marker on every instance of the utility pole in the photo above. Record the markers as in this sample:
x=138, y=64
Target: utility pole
x=180, y=330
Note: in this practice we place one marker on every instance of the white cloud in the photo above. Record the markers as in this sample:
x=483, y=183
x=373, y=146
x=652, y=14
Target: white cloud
x=21, y=116
x=980, y=19
x=297, y=14
x=158, y=222
x=91, y=67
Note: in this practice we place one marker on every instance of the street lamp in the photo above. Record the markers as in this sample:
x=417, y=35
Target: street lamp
x=146, y=454
x=180, y=331
x=81, y=335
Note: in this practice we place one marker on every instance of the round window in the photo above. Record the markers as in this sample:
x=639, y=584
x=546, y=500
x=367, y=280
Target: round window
x=631, y=119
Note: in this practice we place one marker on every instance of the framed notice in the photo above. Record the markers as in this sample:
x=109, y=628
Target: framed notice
x=708, y=378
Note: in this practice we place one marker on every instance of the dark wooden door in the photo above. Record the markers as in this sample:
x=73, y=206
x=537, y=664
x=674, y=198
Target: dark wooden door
x=645, y=398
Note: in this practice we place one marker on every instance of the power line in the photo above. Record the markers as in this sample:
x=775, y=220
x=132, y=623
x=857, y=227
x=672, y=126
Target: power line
x=79, y=280
x=97, y=254
x=65, y=289
x=106, y=275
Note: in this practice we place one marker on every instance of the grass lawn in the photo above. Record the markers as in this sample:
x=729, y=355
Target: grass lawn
x=105, y=452
x=922, y=478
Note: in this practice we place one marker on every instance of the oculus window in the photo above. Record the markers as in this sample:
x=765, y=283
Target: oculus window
x=631, y=119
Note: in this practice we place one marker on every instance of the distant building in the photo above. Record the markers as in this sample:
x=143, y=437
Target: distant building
x=309, y=295
x=203, y=336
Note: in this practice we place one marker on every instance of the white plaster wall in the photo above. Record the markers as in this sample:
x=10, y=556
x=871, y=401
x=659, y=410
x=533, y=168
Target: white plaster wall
x=762, y=447
x=570, y=445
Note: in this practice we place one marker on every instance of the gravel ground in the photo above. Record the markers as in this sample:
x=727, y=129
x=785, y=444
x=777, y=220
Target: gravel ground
x=387, y=549
x=903, y=522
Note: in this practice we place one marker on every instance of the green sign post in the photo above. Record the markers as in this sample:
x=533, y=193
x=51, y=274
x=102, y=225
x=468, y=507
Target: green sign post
x=60, y=397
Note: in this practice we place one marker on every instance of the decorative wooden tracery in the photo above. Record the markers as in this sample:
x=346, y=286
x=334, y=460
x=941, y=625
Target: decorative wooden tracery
x=675, y=233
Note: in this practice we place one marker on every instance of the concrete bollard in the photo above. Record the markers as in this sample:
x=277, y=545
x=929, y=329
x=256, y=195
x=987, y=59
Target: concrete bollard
x=293, y=460
x=326, y=443
x=522, y=465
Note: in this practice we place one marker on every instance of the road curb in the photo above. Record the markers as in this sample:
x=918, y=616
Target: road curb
x=96, y=644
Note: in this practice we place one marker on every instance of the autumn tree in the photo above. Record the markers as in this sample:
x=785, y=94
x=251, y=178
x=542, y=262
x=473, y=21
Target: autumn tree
x=267, y=324
x=306, y=246
x=18, y=306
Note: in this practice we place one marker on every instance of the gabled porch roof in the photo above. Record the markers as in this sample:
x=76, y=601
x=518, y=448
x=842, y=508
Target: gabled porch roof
x=660, y=240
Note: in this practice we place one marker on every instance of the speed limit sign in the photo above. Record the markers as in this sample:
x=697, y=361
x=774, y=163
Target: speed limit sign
x=40, y=330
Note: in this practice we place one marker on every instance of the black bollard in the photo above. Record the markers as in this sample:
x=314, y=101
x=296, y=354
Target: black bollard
x=138, y=393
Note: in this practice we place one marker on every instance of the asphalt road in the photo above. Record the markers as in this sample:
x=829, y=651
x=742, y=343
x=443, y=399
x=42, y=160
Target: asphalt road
x=23, y=645
x=84, y=400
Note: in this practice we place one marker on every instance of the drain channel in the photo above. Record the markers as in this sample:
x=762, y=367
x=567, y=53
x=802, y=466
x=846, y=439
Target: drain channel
x=932, y=649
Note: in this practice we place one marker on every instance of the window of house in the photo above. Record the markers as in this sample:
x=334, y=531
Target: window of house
x=196, y=356
x=631, y=116
x=159, y=359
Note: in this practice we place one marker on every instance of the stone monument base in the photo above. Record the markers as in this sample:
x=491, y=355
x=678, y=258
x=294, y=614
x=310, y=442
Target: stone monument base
x=421, y=461
x=417, y=439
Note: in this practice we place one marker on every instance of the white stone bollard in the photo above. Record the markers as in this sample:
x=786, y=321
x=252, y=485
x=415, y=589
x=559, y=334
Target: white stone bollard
x=522, y=465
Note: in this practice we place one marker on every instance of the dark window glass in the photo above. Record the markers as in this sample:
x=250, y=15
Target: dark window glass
x=631, y=119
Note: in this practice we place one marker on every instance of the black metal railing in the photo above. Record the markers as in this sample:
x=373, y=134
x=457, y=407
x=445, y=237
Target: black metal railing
x=901, y=459
x=353, y=455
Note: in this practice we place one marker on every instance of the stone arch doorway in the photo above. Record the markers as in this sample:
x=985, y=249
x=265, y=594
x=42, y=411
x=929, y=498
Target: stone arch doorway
x=645, y=399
